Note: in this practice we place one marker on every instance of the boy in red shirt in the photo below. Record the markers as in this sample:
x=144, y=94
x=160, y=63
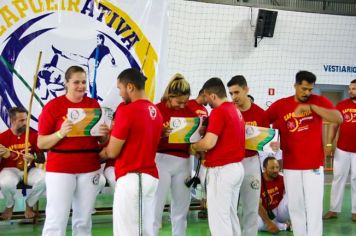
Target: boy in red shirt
x=198, y=107
x=250, y=188
x=133, y=143
x=225, y=145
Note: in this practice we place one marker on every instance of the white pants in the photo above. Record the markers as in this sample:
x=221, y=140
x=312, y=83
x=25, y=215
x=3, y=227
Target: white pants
x=173, y=171
x=102, y=180
x=250, y=195
x=126, y=205
x=10, y=177
x=282, y=216
x=343, y=163
x=199, y=192
x=65, y=191
x=305, y=190
x=109, y=174
x=223, y=187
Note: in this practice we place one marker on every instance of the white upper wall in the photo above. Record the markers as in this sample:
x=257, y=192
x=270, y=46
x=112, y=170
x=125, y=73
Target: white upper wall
x=207, y=40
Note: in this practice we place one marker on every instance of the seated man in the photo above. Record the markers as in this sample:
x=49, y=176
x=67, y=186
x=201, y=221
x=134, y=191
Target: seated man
x=12, y=152
x=273, y=209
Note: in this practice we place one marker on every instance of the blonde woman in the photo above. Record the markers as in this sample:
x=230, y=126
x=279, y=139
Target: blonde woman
x=173, y=159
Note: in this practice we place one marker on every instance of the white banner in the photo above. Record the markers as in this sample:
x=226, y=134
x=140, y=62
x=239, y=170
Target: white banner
x=103, y=36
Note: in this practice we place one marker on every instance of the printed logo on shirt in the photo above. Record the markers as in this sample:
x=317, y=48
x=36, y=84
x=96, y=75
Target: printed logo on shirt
x=298, y=123
x=349, y=115
x=153, y=112
x=272, y=192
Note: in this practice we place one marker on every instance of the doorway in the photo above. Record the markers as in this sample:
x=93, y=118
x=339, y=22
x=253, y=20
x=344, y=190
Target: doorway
x=335, y=93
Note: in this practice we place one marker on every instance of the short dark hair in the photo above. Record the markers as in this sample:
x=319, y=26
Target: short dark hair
x=237, y=80
x=353, y=81
x=251, y=97
x=216, y=86
x=269, y=158
x=304, y=75
x=100, y=36
x=201, y=92
x=14, y=110
x=71, y=70
x=133, y=76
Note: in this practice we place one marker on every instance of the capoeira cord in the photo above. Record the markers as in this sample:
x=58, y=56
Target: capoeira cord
x=27, y=133
x=18, y=154
x=193, y=182
x=140, y=222
x=140, y=210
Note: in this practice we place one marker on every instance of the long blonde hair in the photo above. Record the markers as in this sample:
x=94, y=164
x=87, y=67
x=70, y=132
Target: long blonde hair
x=177, y=86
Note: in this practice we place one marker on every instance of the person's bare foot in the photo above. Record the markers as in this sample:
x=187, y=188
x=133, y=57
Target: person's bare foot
x=7, y=214
x=330, y=215
x=29, y=213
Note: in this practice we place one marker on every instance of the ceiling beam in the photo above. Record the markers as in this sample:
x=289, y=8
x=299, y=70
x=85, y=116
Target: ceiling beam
x=335, y=7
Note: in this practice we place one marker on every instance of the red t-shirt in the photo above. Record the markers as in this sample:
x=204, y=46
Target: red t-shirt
x=179, y=150
x=17, y=143
x=53, y=115
x=140, y=124
x=301, y=137
x=255, y=116
x=275, y=190
x=227, y=123
x=198, y=109
x=347, y=133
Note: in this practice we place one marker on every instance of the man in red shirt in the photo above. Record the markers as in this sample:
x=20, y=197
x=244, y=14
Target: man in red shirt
x=272, y=199
x=133, y=142
x=250, y=188
x=12, y=150
x=198, y=107
x=224, y=142
x=345, y=154
x=300, y=118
